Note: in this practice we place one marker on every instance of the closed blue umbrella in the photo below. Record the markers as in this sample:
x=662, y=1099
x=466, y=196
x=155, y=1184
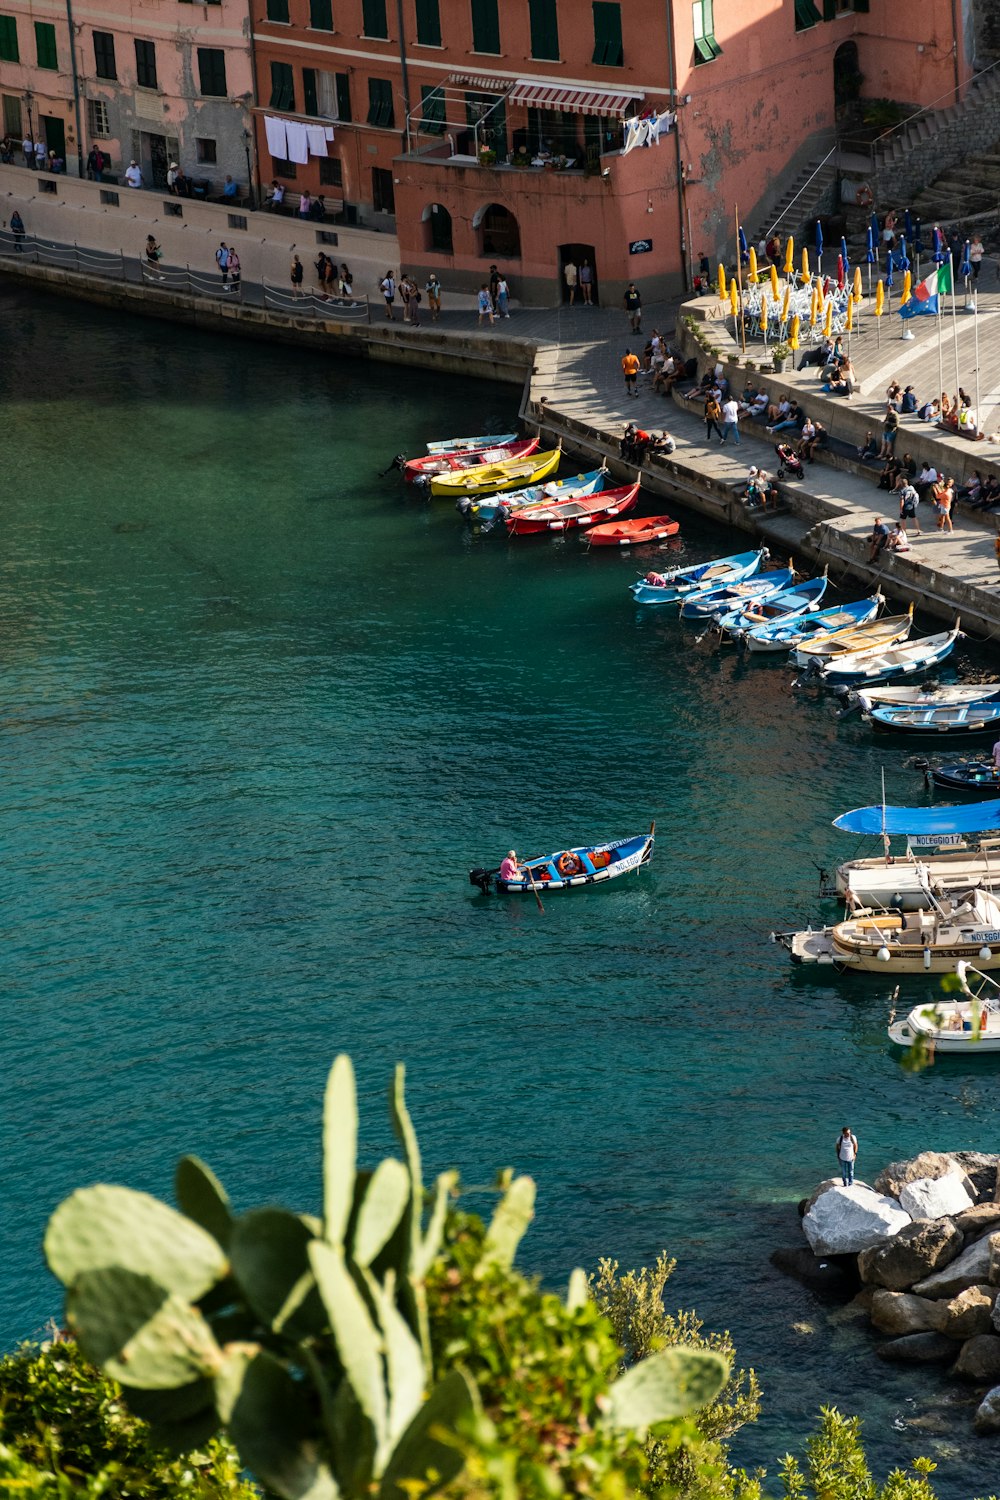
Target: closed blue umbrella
x=888, y=269
x=939, y=254
x=819, y=238
x=870, y=247
x=902, y=259
x=843, y=251
x=744, y=252
x=908, y=226
x=965, y=268
x=876, y=236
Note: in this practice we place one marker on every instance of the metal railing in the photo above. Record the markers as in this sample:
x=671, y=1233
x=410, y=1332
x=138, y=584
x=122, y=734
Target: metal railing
x=68, y=257
x=183, y=279
x=315, y=304
x=788, y=207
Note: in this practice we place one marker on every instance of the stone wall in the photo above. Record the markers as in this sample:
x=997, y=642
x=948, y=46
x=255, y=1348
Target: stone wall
x=973, y=125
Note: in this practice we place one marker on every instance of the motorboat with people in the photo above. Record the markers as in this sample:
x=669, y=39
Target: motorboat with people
x=585, y=865
x=960, y=1024
x=930, y=940
x=679, y=583
x=787, y=632
x=980, y=778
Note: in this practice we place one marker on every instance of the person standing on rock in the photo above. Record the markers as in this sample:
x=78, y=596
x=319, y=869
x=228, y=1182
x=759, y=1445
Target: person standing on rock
x=847, y=1154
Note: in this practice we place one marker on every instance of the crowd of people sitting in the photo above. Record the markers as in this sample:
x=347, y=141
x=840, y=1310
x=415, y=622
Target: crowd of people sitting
x=636, y=443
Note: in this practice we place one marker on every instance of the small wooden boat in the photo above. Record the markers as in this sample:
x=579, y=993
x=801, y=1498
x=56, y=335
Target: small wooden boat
x=784, y=634
x=979, y=777
x=632, y=533
x=590, y=864
x=423, y=468
x=902, y=660
x=875, y=636
x=667, y=588
x=955, y=1026
x=471, y=444
x=489, y=507
x=789, y=604
x=930, y=940
x=925, y=695
x=507, y=475
x=572, y=515
x=960, y=718
x=713, y=604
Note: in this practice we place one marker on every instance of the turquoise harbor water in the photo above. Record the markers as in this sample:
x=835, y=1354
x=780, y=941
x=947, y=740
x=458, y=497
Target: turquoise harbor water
x=261, y=712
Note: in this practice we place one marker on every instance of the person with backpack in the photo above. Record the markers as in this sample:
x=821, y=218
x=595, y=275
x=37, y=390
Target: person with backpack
x=387, y=286
x=414, y=305
x=847, y=1154
x=222, y=261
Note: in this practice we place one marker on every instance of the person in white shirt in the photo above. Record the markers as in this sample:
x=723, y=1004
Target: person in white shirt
x=133, y=176
x=847, y=1154
x=730, y=421
x=28, y=149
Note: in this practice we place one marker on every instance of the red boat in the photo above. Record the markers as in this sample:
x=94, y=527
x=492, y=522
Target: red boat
x=631, y=533
x=449, y=463
x=569, y=515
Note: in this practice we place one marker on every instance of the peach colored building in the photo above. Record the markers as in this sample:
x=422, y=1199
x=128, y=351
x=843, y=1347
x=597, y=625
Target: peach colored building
x=171, y=81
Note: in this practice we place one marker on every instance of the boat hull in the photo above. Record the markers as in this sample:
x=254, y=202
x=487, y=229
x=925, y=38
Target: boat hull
x=490, y=506
x=960, y=718
x=633, y=533
x=903, y=660
x=472, y=444
x=980, y=778
x=572, y=515
x=824, y=947
x=920, y=1025
x=429, y=464
x=680, y=583
x=926, y=697
x=715, y=603
x=572, y=869
x=787, y=634
x=871, y=882
x=877, y=635
x=510, y=474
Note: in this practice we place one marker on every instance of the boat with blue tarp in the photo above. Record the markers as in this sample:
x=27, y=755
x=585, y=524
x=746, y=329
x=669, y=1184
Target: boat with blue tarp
x=784, y=634
x=678, y=583
x=953, y=848
x=588, y=864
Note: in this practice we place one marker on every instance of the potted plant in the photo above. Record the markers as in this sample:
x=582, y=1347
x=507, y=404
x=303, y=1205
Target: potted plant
x=751, y=364
x=487, y=156
x=779, y=353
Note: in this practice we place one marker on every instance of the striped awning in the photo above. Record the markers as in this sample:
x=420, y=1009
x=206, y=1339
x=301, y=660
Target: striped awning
x=539, y=94
x=487, y=81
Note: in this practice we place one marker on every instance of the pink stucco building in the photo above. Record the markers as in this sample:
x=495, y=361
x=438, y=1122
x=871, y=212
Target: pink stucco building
x=163, y=82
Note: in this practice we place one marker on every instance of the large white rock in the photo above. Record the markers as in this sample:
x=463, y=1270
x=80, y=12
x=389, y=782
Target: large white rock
x=972, y=1268
x=935, y=1197
x=846, y=1220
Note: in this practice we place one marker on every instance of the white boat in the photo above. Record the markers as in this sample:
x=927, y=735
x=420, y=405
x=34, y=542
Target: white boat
x=902, y=659
x=879, y=884
x=876, y=635
x=924, y=695
x=931, y=940
x=960, y=1026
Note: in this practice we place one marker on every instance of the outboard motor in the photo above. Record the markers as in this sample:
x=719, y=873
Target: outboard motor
x=464, y=505
x=482, y=878
x=400, y=461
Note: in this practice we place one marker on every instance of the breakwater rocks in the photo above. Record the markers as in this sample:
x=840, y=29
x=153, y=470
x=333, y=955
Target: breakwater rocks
x=920, y=1248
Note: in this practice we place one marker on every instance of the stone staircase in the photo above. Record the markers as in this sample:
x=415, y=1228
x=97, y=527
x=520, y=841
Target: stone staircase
x=936, y=141
x=818, y=190
x=963, y=192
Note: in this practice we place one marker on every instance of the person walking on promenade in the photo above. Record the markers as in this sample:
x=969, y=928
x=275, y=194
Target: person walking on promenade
x=414, y=305
x=405, y=294
x=387, y=286
x=908, y=502
x=944, y=495
x=570, y=276
x=633, y=306
x=485, y=305
x=234, y=268
x=847, y=1154
x=17, y=230
x=890, y=427
x=731, y=420
x=630, y=369
x=713, y=416
x=152, y=254
x=433, y=290
x=976, y=253
x=222, y=261
x=503, y=298
x=297, y=273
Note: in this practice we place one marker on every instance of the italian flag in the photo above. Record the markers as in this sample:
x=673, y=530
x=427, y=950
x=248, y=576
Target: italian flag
x=924, y=298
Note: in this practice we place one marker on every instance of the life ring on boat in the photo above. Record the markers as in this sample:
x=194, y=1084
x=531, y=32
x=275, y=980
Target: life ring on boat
x=569, y=864
x=864, y=197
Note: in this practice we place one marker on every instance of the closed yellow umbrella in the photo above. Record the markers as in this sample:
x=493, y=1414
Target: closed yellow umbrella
x=789, y=255
x=857, y=284
x=813, y=306
x=805, y=263
x=828, y=321
x=785, y=301
x=752, y=273
x=763, y=312
x=850, y=314
x=722, y=282
x=774, y=281
x=907, y=285
x=734, y=298
x=879, y=299
x=793, y=337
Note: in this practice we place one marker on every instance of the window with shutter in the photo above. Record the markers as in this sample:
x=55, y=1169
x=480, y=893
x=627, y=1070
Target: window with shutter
x=428, y=23
x=343, y=97
x=544, y=29
x=104, y=55
x=608, y=50
x=705, y=46
x=145, y=64
x=373, y=18
x=212, y=71
x=806, y=15
x=45, y=45
x=8, y=40
x=432, y=109
x=321, y=15
x=282, y=86
x=485, y=26
x=380, y=111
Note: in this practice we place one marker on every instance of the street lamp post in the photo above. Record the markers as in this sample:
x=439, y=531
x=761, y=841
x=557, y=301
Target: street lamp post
x=247, y=138
x=29, y=100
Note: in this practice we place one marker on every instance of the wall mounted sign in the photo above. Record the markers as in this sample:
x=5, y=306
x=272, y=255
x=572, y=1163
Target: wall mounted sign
x=640, y=247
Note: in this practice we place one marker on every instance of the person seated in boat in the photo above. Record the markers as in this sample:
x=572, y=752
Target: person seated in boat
x=655, y=580
x=509, y=867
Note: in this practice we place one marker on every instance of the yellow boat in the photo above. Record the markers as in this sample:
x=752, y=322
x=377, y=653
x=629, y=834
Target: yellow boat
x=877, y=635
x=509, y=474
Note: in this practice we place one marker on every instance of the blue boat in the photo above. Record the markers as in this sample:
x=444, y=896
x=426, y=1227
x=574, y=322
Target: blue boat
x=591, y=864
x=470, y=444
x=904, y=659
x=790, y=604
x=668, y=588
x=713, y=603
x=489, y=507
x=956, y=718
x=783, y=635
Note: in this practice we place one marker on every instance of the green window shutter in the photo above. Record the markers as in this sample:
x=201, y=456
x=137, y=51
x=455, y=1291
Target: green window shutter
x=282, y=86
x=212, y=71
x=321, y=15
x=485, y=26
x=344, y=97
x=8, y=39
x=310, y=103
x=608, y=50
x=544, y=29
x=428, y=23
x=862, y=6
x=431, y=110
x=829, y=10
x=277, y=10
x=373, y=18
x=380, y=111
x=806, y=15
x=45, y=44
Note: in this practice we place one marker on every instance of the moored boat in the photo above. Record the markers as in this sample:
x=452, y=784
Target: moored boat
x=979, y=777
x=572, y=515
x=488, y=507
x=714, y=603
x=633, y=532
x=489, y=478
x=788, y=604
x=678, y=583
x=954, y=719
x=955, y=1025
x=470, y=444
x=588, y=864
x=930, y=940
x=429, y=464
x=949, y=848
x=903, y=659
x=925, y=694
x=875, y=635
x=783, y=635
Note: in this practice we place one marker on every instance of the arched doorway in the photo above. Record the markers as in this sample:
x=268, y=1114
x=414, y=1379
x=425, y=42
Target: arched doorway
x=438, y=229
x=499, y=232
x=847, y=75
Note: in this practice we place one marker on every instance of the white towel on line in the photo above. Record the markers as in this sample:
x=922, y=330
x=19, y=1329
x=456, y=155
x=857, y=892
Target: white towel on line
x=316, y=138
x=328, y=131
x=274, y=130
x=298, y=142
